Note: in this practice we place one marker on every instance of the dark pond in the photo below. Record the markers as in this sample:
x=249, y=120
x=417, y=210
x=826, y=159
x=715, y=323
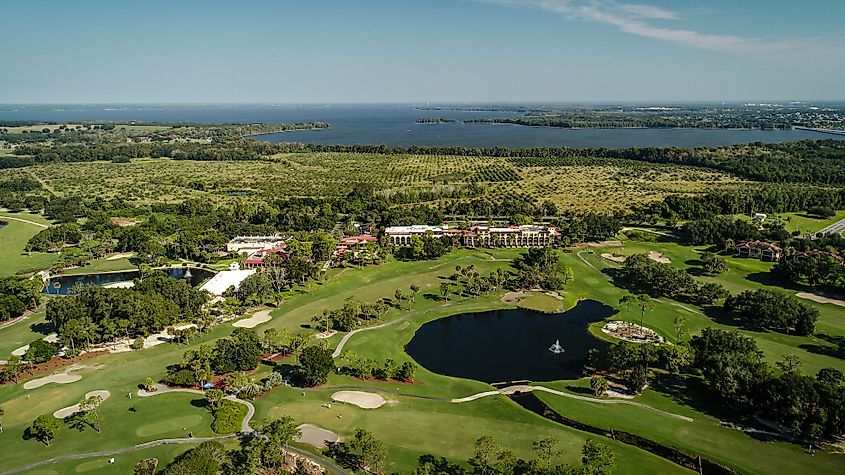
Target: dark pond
x=509, y=345
x=197, y=277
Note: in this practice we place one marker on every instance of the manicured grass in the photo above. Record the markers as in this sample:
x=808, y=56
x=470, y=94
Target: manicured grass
x=543, y=303
x=102, y=265
x=703, y=436
x=23, y=332
x=14, y=237
x=808, y=224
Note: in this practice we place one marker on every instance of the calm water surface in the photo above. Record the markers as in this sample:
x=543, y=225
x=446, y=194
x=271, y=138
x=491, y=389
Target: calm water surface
x=396, y=125
x=66, y=282
x=509, y=345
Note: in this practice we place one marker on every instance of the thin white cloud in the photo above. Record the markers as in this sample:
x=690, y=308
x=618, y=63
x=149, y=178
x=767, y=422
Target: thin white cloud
x=639, y=19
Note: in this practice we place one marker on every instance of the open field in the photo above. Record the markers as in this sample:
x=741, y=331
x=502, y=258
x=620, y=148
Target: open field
x=13, y=238
x=614, y=185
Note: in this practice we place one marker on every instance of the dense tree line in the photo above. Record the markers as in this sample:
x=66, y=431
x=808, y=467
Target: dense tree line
x=97, y=314
x=767, y=309
x=816, y=269
x=734, y=368
x=538, y=268
x=17, y=295
x=646, y=275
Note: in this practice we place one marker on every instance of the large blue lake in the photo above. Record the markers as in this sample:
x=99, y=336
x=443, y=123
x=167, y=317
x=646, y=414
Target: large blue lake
x=396, y=125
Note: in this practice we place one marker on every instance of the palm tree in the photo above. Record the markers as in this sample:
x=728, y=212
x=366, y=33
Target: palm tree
x=415, y=289
x=599, y=385
x=91, y=405
x=444, y=290
x=642, y=301
x=214, y=397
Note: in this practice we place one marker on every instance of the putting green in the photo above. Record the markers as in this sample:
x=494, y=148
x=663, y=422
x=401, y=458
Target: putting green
x=169, y=425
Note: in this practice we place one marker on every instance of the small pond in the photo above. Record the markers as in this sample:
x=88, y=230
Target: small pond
x=197, y=277
x=509, y=345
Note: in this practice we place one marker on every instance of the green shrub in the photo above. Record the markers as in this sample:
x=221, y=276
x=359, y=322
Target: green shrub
x=228, y=417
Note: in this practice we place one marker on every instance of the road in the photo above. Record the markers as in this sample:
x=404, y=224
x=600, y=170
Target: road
x=835, y=228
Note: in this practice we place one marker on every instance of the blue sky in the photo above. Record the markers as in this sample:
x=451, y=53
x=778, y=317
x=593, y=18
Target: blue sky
x=427, y=50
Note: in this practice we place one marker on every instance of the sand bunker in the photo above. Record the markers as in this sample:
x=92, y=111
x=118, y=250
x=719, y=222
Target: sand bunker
x=819, y=298
x=360, y=399
x=71, y=410
x=51, y=338
x=316, y=436
x=613, y=258
x=61, y=378
x=253, y=321
x=659, y=257
x=121, y=255
x=325, y=335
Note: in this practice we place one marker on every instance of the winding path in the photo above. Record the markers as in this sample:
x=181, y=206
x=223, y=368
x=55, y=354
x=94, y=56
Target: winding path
x=520, y=388
x=3, y=216
x=346, y=337
x=163, y=389
x=329, y=465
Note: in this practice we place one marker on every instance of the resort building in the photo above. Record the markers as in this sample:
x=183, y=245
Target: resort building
x=819, y=254
x=511, y=236
x=353, y=247
x=401, y=235
x=480, y=235
x=252, y=244
x=762, y=250
x=256, y=259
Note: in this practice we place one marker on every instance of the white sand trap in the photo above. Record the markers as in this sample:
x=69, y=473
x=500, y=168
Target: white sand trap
x=316, y=436
x=257, y=319
x=61, y=378
x=51, y=338
x=71, y=410
x=360, y=399
x=659, y=257
x=820, y=299
x=126, y=284
x=324, y=335
x=121, y=255
x=613, y=258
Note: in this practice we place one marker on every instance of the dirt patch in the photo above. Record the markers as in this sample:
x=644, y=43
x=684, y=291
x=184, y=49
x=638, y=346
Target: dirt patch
x=613, y=257
x=659, y=257
x=820, y=299
x=316, y=436
x=513, y=297
x=361, y=399
x=257, y=319
x=71, y=410
x=123, y=222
